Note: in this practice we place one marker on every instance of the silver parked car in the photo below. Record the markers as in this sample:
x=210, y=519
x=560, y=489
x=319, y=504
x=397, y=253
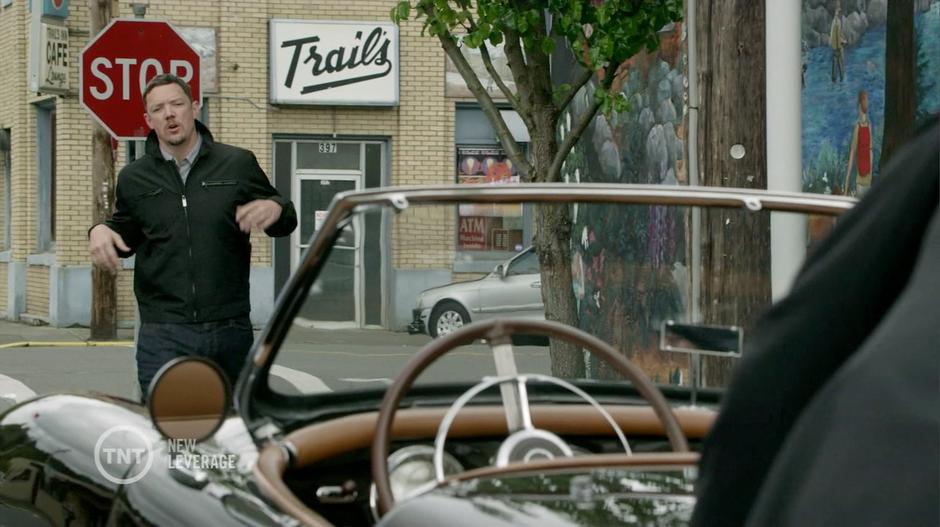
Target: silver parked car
x=513, y=289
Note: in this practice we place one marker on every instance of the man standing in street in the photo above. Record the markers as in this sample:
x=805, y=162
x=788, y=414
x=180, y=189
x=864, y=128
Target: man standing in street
x=186, y=209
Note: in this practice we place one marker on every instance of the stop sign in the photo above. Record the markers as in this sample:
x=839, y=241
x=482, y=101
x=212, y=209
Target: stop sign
x=117, y=64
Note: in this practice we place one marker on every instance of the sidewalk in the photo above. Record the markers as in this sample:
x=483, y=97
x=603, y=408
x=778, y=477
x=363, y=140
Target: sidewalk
x=19, y=334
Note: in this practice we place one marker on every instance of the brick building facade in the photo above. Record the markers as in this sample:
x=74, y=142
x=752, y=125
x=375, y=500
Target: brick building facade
x=46, y=204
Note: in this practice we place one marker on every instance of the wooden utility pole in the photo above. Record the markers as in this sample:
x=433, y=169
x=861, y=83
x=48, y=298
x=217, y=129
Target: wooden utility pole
x=899, y=78
x=732, y=153
x=103, y=283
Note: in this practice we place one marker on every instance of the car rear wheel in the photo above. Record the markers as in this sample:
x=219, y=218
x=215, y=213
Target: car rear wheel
x=447, y=317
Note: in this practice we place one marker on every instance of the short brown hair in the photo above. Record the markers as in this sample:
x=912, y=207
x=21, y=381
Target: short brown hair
x=162, y=80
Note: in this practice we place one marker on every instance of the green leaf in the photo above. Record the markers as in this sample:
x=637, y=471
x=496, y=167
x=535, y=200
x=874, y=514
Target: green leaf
x=618, y=30
x=561, y=91
x=472, y=40
x=484, y=30
x=404, y=10
x=621, y=103
x=548, y=45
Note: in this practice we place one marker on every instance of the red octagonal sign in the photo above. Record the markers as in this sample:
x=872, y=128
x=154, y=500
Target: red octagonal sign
x=118, y=63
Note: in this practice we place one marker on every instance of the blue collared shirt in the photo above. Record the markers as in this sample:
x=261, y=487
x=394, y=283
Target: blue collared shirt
x=186, y=164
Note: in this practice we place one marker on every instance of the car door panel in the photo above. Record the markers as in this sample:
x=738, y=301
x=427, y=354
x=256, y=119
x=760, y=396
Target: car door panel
x=516, y=294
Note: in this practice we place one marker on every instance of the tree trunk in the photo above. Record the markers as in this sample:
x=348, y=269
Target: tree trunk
x=899, y=78
x=103, y=283
x=735, y=277
x=553, y=245
x=552, y=242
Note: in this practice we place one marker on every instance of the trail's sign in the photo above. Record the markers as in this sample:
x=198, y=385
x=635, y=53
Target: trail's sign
x=117, y=64
x=333, y=63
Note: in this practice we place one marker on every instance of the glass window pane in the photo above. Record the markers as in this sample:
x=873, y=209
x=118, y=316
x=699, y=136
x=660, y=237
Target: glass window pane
x=315, y=198
x=374, y=164
x=528, y=263
x=332, y=295
x=488, y=227
x=626, y=269
x=326, y=155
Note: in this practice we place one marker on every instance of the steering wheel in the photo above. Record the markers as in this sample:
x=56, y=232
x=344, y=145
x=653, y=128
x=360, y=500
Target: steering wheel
x=498, y=334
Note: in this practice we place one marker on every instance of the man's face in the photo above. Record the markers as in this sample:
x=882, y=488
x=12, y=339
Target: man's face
x=171, y=114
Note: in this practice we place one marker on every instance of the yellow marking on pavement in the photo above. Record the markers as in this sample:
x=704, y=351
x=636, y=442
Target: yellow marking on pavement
x=76, y=344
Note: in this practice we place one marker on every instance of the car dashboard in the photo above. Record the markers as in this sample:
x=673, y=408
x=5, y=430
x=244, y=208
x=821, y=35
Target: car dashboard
x=340, y=488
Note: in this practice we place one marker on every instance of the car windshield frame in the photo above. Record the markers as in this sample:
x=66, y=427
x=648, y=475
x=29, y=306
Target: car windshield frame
x=254, y=399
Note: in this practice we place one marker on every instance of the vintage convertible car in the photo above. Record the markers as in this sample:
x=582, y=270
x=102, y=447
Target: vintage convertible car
x=648, y=289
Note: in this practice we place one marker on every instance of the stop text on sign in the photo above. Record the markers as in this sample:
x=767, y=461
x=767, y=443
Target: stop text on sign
x=102, y=68
x=117, y=65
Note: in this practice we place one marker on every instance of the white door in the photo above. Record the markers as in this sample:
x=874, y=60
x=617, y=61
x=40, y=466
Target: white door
x=336, y=299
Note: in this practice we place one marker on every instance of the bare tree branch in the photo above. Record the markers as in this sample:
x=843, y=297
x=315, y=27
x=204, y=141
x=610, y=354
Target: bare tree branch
x=571, y=139
x=581, y=125
x=517, y=64
x=523, y=112
x=486, y=104
x=540, y=69
x=578, y=84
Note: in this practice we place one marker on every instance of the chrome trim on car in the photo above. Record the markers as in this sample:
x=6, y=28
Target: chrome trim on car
x=506, y=309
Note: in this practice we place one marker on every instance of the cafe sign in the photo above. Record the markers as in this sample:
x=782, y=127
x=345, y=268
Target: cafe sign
x=54, y=58
x=333, y=63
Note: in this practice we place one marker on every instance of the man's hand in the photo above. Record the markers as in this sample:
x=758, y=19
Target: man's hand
x=258, y=214
x=101, y=244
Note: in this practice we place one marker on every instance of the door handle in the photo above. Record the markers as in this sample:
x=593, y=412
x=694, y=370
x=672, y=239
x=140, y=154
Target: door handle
x=536, y=285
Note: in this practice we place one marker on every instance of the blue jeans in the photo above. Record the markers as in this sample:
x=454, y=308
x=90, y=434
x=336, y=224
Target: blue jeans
x=226, y=342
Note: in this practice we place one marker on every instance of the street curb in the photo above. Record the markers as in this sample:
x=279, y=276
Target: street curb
x=62, y=344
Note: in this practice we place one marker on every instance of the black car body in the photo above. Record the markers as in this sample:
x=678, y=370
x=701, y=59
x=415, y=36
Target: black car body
x=287, y=457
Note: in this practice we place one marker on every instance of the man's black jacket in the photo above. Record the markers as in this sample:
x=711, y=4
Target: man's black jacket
x=193, y=262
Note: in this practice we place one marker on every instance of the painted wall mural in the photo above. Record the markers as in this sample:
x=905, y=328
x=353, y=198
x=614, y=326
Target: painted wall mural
x=636, y=264
x=844, y=88
x=843, y=81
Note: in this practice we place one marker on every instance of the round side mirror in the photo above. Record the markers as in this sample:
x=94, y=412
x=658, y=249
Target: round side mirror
x=500, y=271
x=188, y=399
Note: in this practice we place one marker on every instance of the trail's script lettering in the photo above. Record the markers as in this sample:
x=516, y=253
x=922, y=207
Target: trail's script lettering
x=374, y=52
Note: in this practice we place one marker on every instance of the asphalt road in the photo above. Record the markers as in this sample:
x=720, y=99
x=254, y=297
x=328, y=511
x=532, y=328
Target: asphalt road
x=312, y=360
x=345, y=359
x=56, y=369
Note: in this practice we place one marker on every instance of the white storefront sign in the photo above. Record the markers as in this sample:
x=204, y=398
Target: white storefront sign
x=48, y=59
x=53, y=58
x=334, y=63
x=54, y=64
